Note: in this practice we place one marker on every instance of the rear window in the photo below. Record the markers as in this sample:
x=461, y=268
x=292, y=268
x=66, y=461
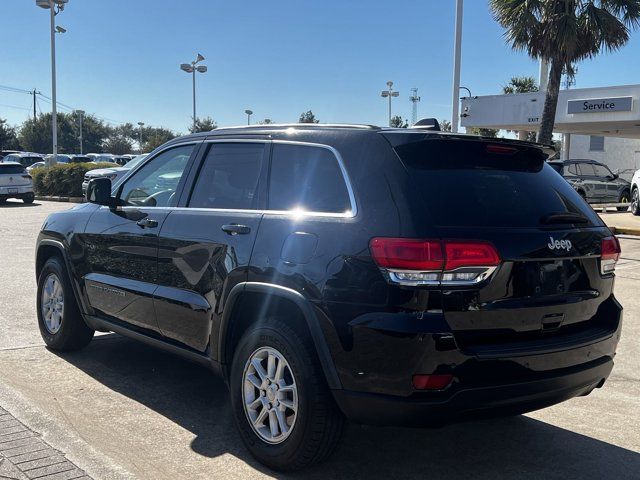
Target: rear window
x=11, y=169
x=469, y=183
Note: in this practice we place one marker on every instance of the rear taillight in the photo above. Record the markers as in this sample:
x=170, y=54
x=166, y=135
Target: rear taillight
x=610, y=253
x=26, y=176
x=434, y=262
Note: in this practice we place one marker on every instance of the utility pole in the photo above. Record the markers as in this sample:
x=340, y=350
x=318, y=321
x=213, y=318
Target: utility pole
x=140, y=124
x=80, y=114
x=414, y=99
x=389, y=94
x=34, y=92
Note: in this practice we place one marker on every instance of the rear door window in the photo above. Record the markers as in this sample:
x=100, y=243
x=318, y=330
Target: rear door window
x=307, y=178
x=229, y=177
x=468, y=183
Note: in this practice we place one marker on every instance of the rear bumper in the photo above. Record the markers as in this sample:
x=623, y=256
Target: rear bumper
x=16, y=192
x=467, y=403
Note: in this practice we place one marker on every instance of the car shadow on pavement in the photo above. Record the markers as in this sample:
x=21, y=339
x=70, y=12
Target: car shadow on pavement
x=516, y=447
x=17, y=204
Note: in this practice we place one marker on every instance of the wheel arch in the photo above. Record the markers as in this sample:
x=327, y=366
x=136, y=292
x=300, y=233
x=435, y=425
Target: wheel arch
x=48, y=248
x=264, y=298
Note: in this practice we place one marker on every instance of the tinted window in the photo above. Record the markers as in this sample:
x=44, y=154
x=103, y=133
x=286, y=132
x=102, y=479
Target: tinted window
x=229, y=177
x=587, y=169
x=11, y=169
x=601, y=170
x=307, y=178
x=465, y=184
x=573, y=169
x=155, y=184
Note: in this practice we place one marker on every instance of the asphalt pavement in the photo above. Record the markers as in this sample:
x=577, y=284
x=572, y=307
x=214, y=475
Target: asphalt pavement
x=119, y=409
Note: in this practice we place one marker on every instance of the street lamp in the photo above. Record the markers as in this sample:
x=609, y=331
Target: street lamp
x=140, y=124
x=249, y=113
x=80, y=113
x=192, y=68
x=51, y=5
x=389, y=94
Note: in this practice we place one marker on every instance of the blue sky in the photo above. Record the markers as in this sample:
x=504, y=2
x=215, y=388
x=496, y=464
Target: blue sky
x=120, y=58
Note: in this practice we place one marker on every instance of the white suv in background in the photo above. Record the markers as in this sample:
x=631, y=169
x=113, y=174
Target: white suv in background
x=114, y=174
x=15, y=182
x=635, y=193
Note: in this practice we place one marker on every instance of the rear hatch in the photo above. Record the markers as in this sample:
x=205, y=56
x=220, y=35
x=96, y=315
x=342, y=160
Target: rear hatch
x=547, y=287
x=13, y=175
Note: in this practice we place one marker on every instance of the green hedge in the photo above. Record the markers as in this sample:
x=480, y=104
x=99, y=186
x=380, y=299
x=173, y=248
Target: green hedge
x=63, y=179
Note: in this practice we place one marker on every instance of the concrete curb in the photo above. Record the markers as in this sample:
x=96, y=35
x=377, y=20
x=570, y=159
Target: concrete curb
x=625, y=231
x=60, y=199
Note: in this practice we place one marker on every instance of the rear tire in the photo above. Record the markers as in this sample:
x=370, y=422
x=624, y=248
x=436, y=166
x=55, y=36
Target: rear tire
x=311, y=430
x=61, y=324
x=28, y=198
x=635, y=202
x=624, y=198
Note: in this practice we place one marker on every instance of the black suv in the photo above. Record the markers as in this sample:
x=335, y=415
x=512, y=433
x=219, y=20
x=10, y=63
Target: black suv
x=389, y=276
x=594, y=181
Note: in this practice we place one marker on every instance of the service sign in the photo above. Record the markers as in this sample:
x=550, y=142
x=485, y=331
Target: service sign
x=600, y=105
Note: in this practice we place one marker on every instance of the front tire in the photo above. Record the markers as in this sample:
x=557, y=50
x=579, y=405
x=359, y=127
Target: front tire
x=61, y=324
x=624, y=198
x=281, y=403
x=635, y=202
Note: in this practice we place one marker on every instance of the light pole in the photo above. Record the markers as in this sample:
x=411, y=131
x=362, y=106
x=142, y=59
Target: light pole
x=389, y=94
x=140, y=124
x=249, y=113
x=457, y=54
x=192, y=68
x=51, y=5
x=80, y=114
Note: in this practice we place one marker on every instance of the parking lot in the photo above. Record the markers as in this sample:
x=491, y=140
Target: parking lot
x=119, y=409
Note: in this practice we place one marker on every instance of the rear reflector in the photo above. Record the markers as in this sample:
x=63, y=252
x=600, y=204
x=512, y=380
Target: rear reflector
x=420, y=262
x=431, y=382
x=610, y=250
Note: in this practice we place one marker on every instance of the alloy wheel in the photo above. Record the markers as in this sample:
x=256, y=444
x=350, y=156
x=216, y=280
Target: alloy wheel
x=270, y=395
x=52, y=303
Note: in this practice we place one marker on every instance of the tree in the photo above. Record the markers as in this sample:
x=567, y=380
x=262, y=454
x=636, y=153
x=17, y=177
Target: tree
x=35, y=134
x=153, y=137
x=266, y=121
x=308, y=117
x=483, y=132
x=203, y=125
x=117, y=143
x=445, y=125
x=8, y=136
x=397, y=122
x=522, y=85
x=564, y=32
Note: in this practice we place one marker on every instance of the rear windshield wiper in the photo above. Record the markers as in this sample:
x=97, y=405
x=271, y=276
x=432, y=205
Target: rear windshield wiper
x=564, y=217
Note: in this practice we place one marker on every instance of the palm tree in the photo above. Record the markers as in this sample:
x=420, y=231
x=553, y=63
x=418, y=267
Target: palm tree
x=520, y=85
x=563, y=32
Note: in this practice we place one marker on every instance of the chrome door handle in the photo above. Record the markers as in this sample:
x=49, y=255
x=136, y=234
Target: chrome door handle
x=147, y=223
x=235, y=229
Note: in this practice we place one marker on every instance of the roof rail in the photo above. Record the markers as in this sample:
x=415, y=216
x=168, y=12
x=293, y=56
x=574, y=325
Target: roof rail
x=301, y=125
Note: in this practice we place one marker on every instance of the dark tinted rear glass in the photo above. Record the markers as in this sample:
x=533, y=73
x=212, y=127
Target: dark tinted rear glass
x=307, y=178
x=11, y=169
x=469, y=183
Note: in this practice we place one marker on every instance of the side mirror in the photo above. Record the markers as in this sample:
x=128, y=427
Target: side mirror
x=99, y=192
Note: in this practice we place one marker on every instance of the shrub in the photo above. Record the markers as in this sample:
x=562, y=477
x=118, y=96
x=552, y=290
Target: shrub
x=63, y=179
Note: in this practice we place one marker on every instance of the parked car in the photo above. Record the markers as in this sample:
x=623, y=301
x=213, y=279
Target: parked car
x=635, y=196
x=26, y=159
x=113, y=174
x=4, y=153
x=328, y=272
x=15, y=182
x=68, y=158
x=594, y=181
x=101, y=157
x=34, y=166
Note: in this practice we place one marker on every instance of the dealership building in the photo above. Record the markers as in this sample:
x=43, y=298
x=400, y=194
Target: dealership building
x=597, y=123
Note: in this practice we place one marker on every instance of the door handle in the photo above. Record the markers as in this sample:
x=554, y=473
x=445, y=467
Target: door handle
x=235, y=229
x=147, y=223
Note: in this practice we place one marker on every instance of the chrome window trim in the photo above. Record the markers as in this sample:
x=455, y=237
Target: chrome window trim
x=345, y=177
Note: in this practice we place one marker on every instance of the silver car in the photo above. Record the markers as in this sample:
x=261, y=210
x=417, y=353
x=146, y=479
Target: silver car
x=114, y=174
